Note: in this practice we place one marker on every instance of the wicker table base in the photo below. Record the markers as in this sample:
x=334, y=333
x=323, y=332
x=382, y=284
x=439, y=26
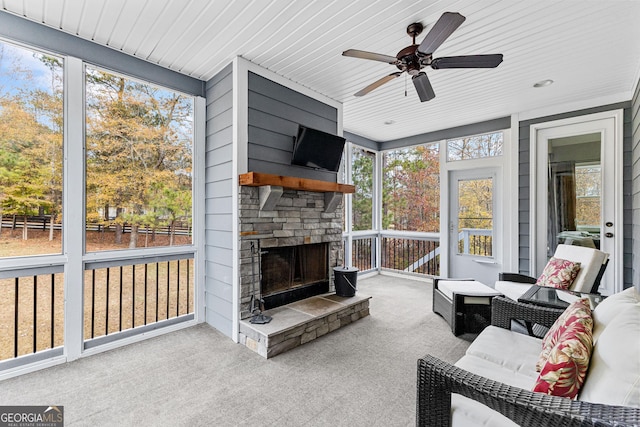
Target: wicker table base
x=468, y=310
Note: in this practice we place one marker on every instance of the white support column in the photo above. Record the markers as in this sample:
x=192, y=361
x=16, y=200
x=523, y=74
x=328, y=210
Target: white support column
x=239, y=166
x=199, y=164
x=73, y=206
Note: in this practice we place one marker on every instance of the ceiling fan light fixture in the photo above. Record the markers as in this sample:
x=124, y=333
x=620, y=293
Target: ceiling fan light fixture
x=543, y=83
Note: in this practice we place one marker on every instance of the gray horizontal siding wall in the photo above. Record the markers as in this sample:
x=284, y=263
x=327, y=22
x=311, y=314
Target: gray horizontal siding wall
x=524, y=190
x=635, y=188
x=274, y=114
x=219, y=182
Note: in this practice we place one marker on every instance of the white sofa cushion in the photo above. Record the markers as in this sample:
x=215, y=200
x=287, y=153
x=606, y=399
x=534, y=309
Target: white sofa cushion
x=467, y=412
x=500, y=355
x=604, y=313
x=512, y=352
x=613, y=377
x=491, y=370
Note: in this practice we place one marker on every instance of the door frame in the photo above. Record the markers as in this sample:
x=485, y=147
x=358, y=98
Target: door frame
x=506, y=164
x=539, y=135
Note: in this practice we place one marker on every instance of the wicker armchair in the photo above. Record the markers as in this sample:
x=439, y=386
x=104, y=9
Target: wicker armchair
x=436, y=380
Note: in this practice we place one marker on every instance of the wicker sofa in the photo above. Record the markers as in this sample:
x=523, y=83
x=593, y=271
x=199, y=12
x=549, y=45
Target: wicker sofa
x=490, y=385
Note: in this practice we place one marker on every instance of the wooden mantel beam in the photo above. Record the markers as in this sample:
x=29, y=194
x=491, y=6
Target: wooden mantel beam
x=257, y=179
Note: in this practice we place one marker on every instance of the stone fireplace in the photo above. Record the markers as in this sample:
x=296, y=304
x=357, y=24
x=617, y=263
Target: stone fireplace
x=299, y=244
x=291, y=239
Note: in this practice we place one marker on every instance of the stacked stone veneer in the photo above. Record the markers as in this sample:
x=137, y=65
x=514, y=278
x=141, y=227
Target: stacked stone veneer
x=298, y=218
x=269, y=344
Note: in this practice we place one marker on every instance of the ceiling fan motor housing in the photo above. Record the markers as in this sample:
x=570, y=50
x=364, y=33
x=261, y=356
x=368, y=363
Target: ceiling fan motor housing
x=408, y=60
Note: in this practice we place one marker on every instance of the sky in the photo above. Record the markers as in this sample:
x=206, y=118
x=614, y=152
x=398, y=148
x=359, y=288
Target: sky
x=10, y=81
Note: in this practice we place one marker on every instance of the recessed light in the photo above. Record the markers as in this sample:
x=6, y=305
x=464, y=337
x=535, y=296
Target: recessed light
x=389, y=122
x=543, y=83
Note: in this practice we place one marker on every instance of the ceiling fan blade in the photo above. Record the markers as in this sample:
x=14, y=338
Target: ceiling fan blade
x=468, y=61
x=378, y=83
x=423, y=87
x=370, y=55
x=442, y=29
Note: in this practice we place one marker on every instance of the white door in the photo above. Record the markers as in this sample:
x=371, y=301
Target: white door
x=578, y=190
x=474, y=237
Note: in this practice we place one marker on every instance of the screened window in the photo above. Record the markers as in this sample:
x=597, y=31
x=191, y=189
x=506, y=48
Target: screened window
x=139, y=156
x=475, y=147
x=362, y=163
x=31, y=119
x=411, y=189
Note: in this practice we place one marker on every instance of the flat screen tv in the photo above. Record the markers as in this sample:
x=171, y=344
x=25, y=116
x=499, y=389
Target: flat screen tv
x=317, y=149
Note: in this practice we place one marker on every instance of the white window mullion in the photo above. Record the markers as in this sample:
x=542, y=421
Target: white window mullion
x=73, y=206
x=377, y=209
x=347, y=208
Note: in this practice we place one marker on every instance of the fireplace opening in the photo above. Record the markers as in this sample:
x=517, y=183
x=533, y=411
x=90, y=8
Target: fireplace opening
x=292, y=273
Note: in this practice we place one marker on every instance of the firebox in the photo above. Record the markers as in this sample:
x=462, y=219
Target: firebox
x=292, y=273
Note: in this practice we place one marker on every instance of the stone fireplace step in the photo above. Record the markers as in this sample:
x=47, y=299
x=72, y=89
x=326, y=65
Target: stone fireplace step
x=302, y=321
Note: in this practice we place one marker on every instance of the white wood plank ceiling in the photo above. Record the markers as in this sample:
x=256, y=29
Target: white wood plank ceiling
x=591, y=49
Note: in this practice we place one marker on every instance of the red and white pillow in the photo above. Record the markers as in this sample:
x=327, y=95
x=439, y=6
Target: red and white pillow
x=566, y=351
x=559, y=273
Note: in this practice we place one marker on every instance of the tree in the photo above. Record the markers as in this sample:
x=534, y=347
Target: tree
x=411, y=189
x=30, y=136
x=362, y=178
x=22, y=166
x=137, y=136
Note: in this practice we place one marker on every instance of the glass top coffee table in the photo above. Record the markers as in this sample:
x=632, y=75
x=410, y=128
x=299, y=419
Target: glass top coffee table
x=556, y=298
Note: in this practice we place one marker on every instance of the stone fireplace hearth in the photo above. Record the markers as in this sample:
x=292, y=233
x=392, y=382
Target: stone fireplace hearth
x=295, y=237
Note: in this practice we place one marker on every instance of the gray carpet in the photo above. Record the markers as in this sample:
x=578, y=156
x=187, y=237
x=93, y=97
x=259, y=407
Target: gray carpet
x=361, y=375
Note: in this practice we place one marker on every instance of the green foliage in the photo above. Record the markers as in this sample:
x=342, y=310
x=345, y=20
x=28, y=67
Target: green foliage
x=411, y=189
x=362, y=177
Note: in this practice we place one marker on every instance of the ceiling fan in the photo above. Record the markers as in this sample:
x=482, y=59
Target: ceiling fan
x=414, y=58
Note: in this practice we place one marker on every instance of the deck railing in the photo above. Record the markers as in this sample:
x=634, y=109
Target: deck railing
x=411, y=254
x=363, y=252
x=121, y=296
x=31, y=311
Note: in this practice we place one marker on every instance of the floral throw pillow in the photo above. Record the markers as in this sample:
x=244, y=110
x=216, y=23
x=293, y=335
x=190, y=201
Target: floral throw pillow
x=559, y=273
x=577, y=315
x=566, y=367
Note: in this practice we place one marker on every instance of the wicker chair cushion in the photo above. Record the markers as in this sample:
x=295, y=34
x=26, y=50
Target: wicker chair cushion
x=614, y=373
x=578, y=311
x=566, y=367
x=559, y=273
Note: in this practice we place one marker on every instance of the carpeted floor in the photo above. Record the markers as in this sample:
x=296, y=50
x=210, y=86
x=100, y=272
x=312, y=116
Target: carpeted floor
x=361, y=375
